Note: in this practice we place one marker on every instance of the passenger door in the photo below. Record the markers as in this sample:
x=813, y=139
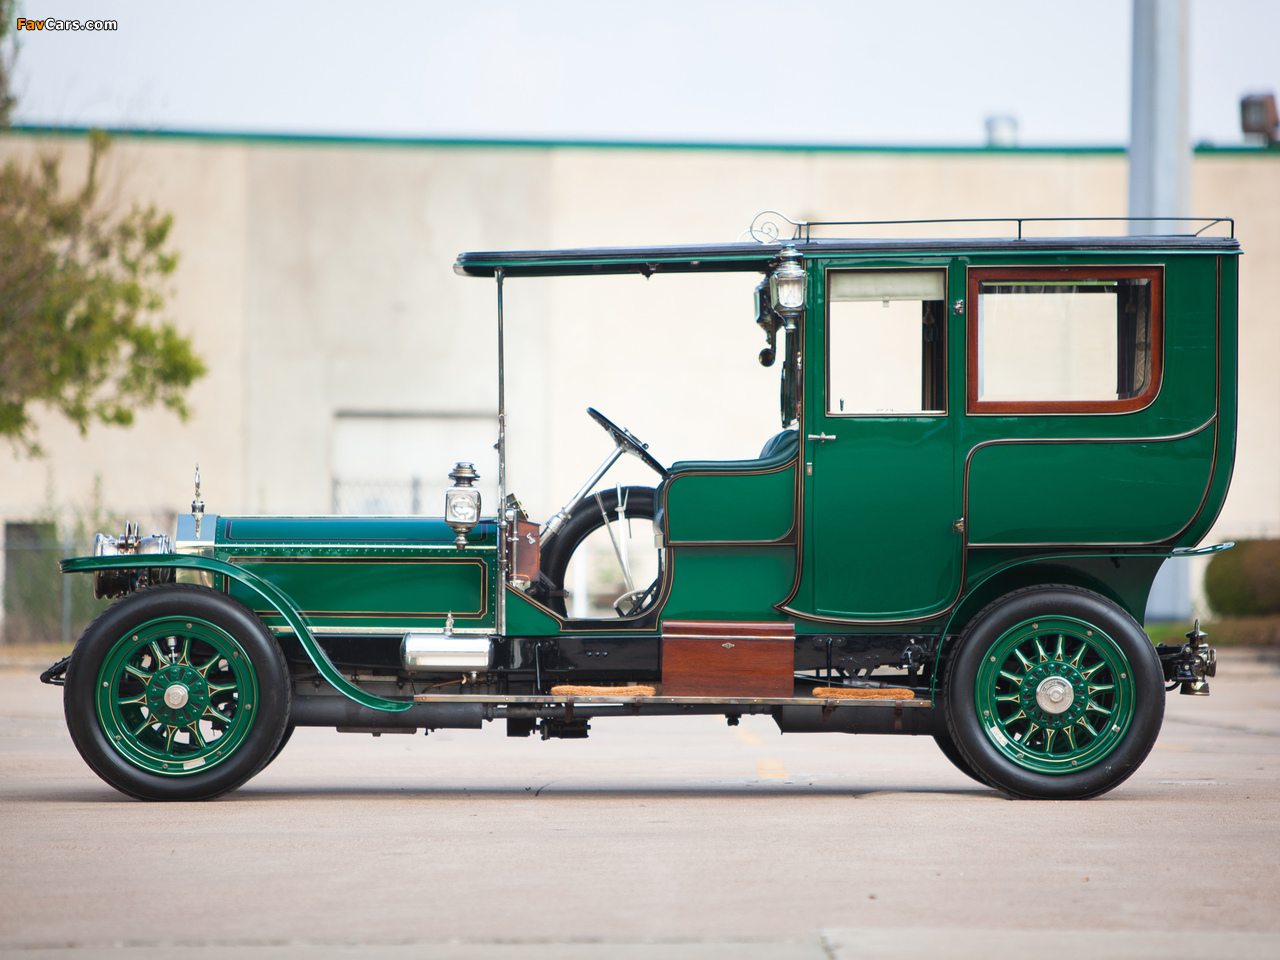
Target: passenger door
x=881, y=496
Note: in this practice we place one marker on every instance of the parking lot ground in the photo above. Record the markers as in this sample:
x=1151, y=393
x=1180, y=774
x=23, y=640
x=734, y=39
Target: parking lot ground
x=654, y=838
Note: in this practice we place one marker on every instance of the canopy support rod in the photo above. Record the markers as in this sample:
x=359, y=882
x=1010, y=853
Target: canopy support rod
x=500, y=613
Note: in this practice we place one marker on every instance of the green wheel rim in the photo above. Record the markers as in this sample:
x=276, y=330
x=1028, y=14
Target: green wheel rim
x=176, y=696
x=1055, y=694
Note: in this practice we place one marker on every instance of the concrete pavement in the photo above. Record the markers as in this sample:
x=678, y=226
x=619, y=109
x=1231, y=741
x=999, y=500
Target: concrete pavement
x=655, y=838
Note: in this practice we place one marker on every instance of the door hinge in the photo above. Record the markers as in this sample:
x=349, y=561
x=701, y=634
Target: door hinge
x=820, y=437
x=958, y=526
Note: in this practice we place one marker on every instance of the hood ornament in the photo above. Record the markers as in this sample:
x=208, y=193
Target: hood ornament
x=197, y=505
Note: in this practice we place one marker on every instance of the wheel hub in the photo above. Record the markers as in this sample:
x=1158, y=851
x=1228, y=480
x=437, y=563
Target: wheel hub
x=1054, y=695
x=1053, y=678
x=177, y=695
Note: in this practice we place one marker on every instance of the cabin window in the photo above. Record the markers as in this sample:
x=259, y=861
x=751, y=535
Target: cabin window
x=886, y=342
x=1063, y=339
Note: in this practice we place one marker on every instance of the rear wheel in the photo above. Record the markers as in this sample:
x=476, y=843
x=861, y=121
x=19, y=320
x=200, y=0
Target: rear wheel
x=177, y=693
x=1055, y=693
x=952, y=753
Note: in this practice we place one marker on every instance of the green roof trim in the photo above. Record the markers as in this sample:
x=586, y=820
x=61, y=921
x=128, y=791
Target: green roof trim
x=307, y=139
x=465, y=142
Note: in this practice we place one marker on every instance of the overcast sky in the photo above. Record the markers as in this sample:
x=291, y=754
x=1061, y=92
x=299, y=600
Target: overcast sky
x=801, y=72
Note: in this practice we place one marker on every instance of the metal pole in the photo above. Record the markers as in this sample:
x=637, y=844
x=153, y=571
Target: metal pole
x=1159, y=142
x=500, y=615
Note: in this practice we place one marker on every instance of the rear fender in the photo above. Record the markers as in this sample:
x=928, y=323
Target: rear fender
x=1072, y=569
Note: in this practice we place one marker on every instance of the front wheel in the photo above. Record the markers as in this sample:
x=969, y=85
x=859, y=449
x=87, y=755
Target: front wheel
x=1054, y=693
x=177, y=693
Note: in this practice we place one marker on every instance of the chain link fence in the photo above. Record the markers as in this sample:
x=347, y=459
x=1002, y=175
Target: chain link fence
x=381, y=497
x=41, y=604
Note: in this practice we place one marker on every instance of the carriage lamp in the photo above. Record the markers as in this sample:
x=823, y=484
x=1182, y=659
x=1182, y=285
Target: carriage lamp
x=462, y=502
x=786, y=285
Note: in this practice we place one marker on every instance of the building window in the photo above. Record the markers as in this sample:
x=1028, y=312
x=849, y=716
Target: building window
x=396, y=463
x=1064, y=340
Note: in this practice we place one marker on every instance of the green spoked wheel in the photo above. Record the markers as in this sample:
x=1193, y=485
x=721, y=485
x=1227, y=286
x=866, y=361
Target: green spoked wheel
x=1054, y=692
x=176, y=696
x=177, y=692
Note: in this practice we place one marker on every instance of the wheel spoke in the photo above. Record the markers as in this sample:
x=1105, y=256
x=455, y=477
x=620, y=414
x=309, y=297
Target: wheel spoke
x=1026, y=664
x=1101, y=688
x=1040, y=650
x=214, y=714
x=1007, y=698
x=139, y=672
x=170, y=733
x=221, y=688
x=1014, y=678
x=1071, y=738
x=148, y=722
x=1089, y=672
x=140, y=700
x=1075, y=658
x=1049, y=735
x=1094, y=705
x=1085, y=723
x=194, y=727
x=1057, y=649
x=186, y=651
x=160, y=657
x=204, y=670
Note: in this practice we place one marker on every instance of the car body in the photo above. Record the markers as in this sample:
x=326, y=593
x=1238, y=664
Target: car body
x=989, y=448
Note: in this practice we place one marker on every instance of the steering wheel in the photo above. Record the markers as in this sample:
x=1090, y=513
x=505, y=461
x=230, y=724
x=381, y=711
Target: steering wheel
x=628, y=442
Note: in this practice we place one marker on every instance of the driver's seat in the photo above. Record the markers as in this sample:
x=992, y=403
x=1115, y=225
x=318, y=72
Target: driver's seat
x=785, y=444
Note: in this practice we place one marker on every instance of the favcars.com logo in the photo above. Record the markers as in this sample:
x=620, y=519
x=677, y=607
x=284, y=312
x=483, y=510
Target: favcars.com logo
x=52, y=23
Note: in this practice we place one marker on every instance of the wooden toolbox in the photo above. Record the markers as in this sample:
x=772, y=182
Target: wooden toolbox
x=711, y=658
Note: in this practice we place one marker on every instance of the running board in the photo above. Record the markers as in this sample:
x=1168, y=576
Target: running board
x=833, y=703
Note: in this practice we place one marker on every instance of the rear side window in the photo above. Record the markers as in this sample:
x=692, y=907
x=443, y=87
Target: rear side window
x=1064, y=340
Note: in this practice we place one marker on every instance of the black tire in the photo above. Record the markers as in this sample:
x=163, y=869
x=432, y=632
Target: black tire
x=585, y=520
x=952, y=753
x=284, y=738
x=224, y=671
x=1071, y=643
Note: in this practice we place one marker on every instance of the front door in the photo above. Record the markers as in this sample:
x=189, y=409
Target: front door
x=881, y=496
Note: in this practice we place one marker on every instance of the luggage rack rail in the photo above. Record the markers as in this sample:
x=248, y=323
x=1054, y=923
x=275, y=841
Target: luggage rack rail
x=765, y=228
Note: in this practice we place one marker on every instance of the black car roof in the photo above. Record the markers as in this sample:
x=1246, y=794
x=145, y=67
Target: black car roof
x=760, y=257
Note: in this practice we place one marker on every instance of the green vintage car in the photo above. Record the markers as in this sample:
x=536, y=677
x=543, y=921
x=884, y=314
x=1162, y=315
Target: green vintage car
x=988, y=449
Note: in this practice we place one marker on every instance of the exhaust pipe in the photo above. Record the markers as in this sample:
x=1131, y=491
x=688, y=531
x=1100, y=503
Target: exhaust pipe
x=341, y=712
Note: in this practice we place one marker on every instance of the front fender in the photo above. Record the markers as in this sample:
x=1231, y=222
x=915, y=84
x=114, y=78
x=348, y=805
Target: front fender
x=264, y=589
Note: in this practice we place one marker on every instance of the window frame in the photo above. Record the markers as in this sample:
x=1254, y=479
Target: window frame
x=944, y=340
x=978, y=275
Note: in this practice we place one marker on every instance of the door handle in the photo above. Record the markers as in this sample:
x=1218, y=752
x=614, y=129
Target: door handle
x=822, y=436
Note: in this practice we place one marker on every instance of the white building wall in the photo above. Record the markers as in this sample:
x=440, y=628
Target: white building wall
x=316, y=280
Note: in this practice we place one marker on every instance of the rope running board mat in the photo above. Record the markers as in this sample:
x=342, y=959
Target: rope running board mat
x=569, y=690
x=863, y=693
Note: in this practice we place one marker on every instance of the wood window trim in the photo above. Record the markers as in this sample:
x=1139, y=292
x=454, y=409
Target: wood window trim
x=977, y=275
